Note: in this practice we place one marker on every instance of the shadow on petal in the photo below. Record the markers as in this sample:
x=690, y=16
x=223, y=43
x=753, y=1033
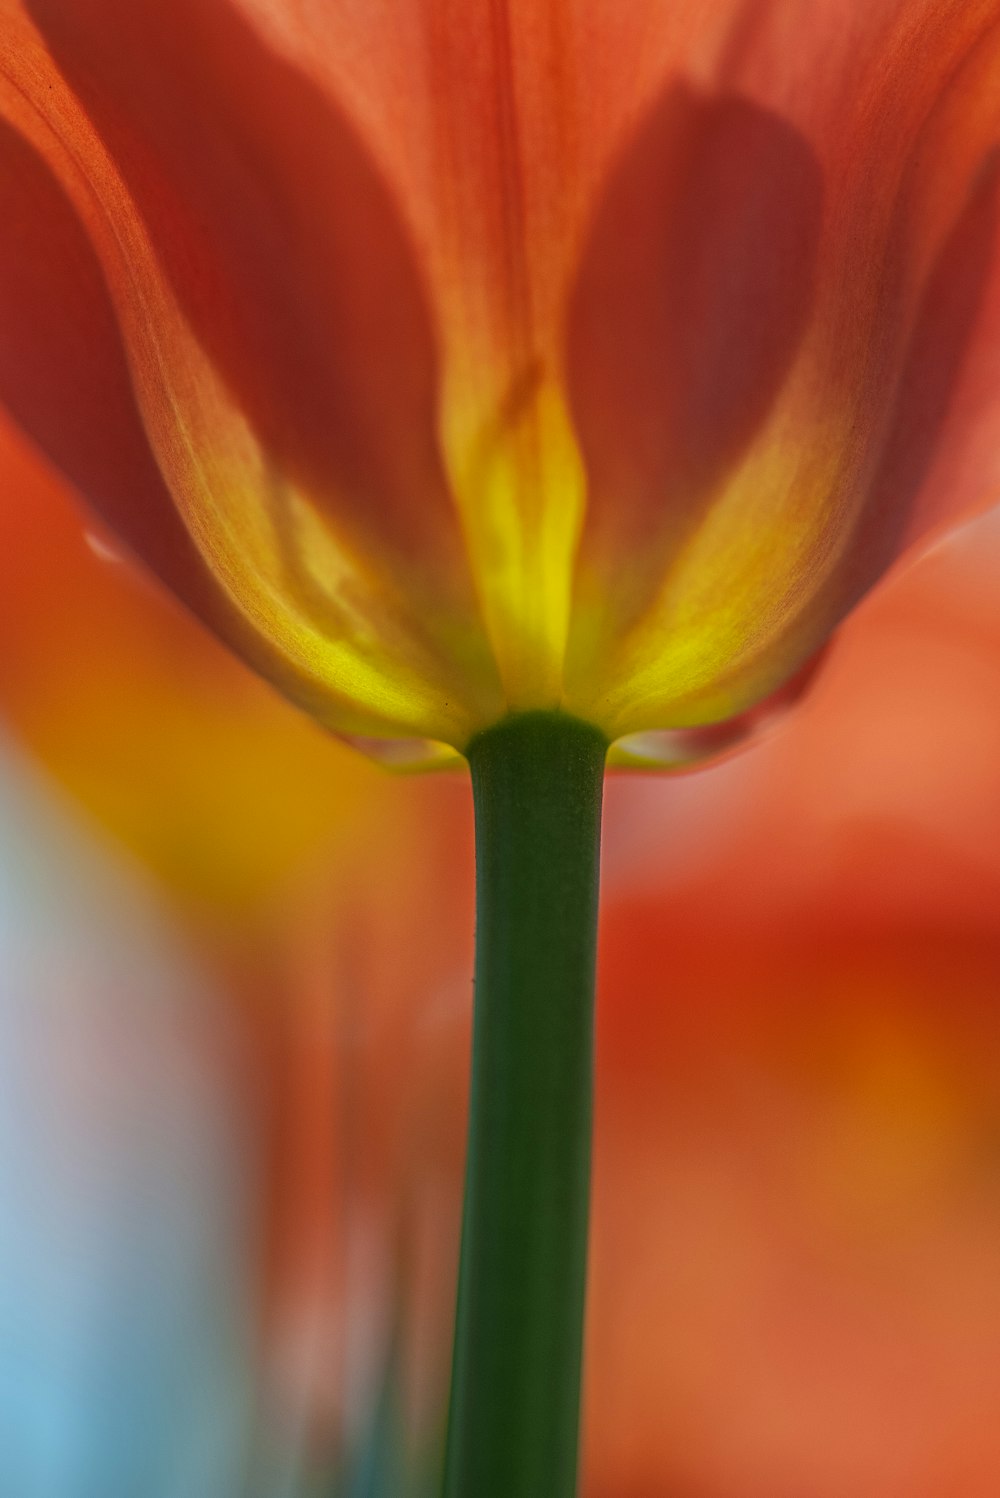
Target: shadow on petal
x=946, y=324
x=64, y=378
x=693, y=293
x=284, y=248
x=65, y=382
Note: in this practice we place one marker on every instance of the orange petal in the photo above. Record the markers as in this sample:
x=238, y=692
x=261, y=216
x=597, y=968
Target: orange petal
x=64, y=378
x=281, y=245
x=688, y=312
x=729, y=532
x=289, y=409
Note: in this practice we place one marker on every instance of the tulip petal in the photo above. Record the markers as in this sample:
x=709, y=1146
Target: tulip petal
x=739, y=512
x=687, y=315
x=63, y=375
x=280, y=243
x=193, y=212
x=682, y=749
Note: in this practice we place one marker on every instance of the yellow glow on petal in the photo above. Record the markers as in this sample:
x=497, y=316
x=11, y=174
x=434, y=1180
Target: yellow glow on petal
x=338, y=624
x=367, y=652
x=520, y=486
x=763, y=547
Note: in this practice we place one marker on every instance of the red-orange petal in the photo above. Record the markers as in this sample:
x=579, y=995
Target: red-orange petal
x=281, y=244
x=747, y=491
x=267, y=309
x=64, y=377
x=692, y=298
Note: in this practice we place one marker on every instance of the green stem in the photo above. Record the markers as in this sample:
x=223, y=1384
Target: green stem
x=537, y=780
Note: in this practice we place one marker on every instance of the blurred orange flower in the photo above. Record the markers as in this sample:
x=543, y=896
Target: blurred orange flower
x=457, y=358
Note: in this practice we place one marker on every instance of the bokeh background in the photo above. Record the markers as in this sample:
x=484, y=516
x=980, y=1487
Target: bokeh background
x=235, y=986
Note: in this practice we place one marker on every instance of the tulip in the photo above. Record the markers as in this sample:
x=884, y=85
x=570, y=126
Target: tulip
x=479, y=359
x=510, y=379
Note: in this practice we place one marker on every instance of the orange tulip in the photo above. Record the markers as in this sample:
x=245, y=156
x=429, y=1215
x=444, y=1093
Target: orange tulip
x=539, y=369
x=452, y=359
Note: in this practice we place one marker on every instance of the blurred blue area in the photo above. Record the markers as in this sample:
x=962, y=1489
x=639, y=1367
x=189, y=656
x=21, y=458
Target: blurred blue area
x=125, y=1329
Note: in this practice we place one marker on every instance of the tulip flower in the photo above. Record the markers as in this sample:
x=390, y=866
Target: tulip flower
x=493, y=358
x=516, y=379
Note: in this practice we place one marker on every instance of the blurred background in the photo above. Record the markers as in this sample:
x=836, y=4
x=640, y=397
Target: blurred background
x=235, y=985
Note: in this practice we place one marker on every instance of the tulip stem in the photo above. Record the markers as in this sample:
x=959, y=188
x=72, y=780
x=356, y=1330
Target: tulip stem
x=537, y=782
